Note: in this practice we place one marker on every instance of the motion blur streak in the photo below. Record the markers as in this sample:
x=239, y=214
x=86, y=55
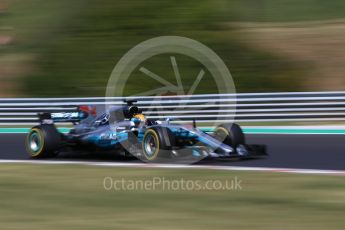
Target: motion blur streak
x=68, y=47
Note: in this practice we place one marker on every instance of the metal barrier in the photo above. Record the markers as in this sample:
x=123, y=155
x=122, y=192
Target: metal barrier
x=206, y=108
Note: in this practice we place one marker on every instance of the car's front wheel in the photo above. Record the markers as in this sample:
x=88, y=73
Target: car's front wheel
x=157, y=144
x=230, y=134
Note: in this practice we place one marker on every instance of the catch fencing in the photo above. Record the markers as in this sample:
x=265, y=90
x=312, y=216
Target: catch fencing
x=205, y=108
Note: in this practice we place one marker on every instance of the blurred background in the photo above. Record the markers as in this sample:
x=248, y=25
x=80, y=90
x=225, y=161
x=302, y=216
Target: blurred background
x=69, y=48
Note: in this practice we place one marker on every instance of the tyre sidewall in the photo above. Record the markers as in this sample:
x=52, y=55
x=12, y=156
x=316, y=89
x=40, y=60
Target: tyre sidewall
x=235, y=135
x=50, y=140
x=166, y=141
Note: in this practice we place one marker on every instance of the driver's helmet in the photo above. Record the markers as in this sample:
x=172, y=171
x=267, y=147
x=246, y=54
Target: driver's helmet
x=139, y=118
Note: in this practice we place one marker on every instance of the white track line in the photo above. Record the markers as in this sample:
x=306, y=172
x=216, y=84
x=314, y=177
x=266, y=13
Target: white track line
x=178, y=166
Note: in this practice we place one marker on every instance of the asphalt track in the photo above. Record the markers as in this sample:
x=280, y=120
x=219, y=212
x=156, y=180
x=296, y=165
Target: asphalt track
x=325, y=152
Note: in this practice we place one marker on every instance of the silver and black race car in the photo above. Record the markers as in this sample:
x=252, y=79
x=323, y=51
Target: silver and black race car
x=125, y=129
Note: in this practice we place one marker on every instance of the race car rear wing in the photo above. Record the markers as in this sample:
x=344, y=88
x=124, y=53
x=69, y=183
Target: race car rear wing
x=81, y=113
x=49, y=118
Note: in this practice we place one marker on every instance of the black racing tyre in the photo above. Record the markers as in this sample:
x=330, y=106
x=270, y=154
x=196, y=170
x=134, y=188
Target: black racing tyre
x=230, y=134
x=43, y=141
x=157, y=144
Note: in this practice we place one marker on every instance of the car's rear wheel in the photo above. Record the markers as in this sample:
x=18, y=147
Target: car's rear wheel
x=43, y=141
x=157, y=144
x=230, y=134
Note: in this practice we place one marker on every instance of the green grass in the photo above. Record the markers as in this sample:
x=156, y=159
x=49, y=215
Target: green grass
x=73, y=197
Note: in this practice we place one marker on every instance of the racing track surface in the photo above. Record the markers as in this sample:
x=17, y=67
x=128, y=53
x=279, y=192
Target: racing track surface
x=285, y=151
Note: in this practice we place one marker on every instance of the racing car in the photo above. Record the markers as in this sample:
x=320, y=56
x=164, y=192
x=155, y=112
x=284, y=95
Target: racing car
x=125, y=129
